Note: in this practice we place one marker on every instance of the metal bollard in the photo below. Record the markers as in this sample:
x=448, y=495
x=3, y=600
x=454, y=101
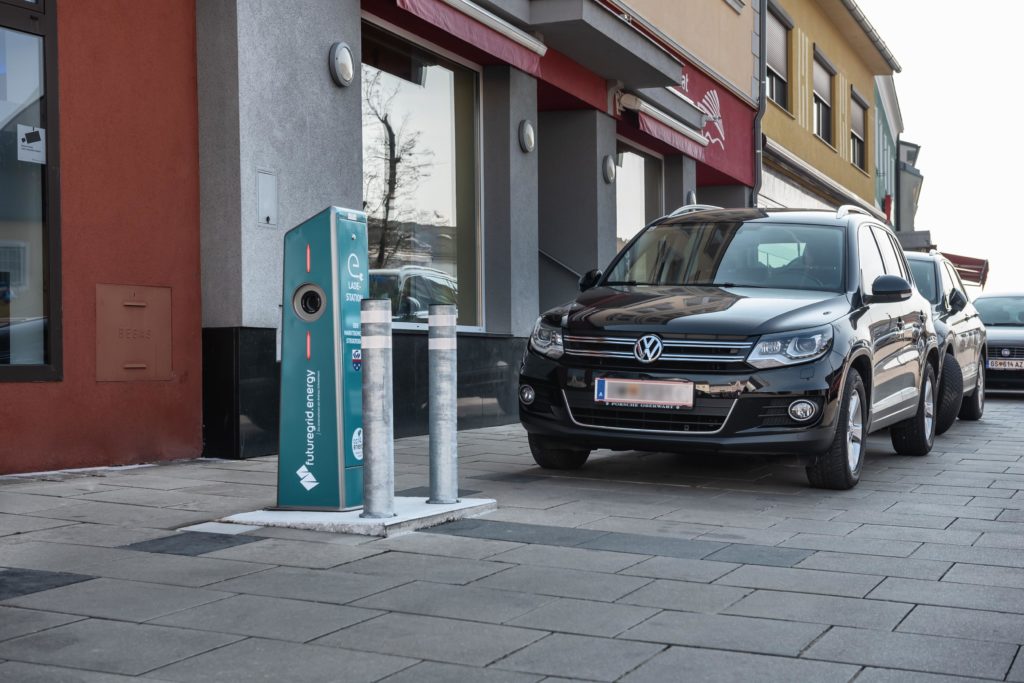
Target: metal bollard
x=444, y=456
x=378, y=410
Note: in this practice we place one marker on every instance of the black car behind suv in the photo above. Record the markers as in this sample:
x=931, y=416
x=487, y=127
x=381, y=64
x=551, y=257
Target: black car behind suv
x=1003, y=315
x=739, y=330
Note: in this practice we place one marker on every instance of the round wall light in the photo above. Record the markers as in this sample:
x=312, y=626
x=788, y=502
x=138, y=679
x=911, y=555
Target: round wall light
x=527, y=136
x=609, y=169
x=342, y=64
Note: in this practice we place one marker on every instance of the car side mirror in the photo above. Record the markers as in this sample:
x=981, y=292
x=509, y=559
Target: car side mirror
x=957, y=301
x=589, y=279
x=888, y=289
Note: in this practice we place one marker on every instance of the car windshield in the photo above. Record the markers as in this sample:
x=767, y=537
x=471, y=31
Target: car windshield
x=924, y=278
x=750, y=254
x=1001, y=310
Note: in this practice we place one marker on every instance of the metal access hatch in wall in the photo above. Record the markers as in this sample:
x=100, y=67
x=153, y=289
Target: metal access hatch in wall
x=133, y=333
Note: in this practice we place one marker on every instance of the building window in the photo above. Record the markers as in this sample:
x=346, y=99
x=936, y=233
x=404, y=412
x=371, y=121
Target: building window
x=639, y=192
x=777, y=44
x=823, y=100
x=858, y=111
x=420, y=153
x=29, y=274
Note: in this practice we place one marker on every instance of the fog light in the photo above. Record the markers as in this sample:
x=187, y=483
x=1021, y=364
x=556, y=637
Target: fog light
x=526, y=394
x=802, y=410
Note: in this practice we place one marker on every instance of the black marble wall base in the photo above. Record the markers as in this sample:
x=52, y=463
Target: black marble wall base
x=241, y=390
x=241, y=386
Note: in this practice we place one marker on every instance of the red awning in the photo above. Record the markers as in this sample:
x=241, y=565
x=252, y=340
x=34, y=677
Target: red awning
x=482, y=37
x=973, y=270
x=669, y=136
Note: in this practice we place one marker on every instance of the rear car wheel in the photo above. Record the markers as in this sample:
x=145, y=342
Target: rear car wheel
x=974, y=405
x=916, y=435
x=556, y=458
x=951, y=394
x=839, y=467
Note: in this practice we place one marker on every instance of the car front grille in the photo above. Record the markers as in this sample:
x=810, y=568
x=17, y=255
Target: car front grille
x=708, y=415
x=718, y=354
x=1016, y=353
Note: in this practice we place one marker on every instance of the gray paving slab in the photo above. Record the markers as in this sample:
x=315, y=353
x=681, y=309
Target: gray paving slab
x=117, y=599
x=19, y=524
x=412, y=566
x=802, y=580
x=266, y=617
x=965, y=623
x=279, y=551
x=314, y=585
x=328, y=537
x=758, y=554
x=870, y=517
x=933, y=654
x=1001, y=540
x=554, y=516
x=61, y=489
x=862, y=546
x=910, y=568
x=433, y=638
x=654, y=545
x=1003, y=557
x=15, y=583
x=584, y=617
x=111, y=646
x=816, y=526
x=649, y=527
x=692, y=664
x=686, y=596
x=15, y=622
x=903, y=533
x=1017, y=672
x=445, y=545
x=679, y=569
x=517, y=533
x=437, y=672
x=102, y=535
x=124, y=515
x=273, y=661
x=949, y=594
x=821, y=609
x=564, y=583
x=190, y=543
x=745, y=634
x=14, y=503
x=599, y=659
x=944, y=510
x=569, y=558
x=23, y=672
x=875, y=675
x=473, y=603
x=985, y=575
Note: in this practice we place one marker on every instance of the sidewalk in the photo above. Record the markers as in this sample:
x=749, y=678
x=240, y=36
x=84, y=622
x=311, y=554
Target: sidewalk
x=639, y=567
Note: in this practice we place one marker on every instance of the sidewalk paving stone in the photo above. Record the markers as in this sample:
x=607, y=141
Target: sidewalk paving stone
x=437, y=639
x=821, y=609
x=985, y=575
x=190, y=543
x=564, y=583
x=446, y=545
x=598, y=659
x=569, y=558
x=279, y=551
x=757, y=554
x=874, y=675
x=436, y=672
x=680, y=569
x=516, y=532
x=801, y=580
x=692, y=664
x=910, y=568
x=15, y=583
x=745, y=634
x=584, y=617
x=84, y=533
x=472, y=603
x=933, y=654
x=15, y=622
x=412, y=566
x=686, y=596
x=22, y=672
x=949, y=594
x=965, y=623
x=315, y=585
x=654, y=545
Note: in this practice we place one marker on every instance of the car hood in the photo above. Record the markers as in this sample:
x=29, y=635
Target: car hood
x=998, y=335
x=743, y=311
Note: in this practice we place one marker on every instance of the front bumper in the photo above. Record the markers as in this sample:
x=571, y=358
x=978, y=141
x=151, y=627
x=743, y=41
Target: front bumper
x=737, y=412
x=1004, y=380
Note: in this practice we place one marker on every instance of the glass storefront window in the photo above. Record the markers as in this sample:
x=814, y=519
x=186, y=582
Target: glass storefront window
x=420, y=178
x=23, y=201
x=638, y=192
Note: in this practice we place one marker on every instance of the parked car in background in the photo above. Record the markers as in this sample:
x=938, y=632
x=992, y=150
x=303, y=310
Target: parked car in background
x=750, y=330
x=961, y=339
x=1003, y=315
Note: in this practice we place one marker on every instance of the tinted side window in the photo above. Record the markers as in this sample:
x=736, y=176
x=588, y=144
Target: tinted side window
x=947, y=281
x=955, y=276
x=871, y=265
x=890, y=254
x=925, y=279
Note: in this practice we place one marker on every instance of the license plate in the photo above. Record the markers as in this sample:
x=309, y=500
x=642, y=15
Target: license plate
x=998, y=364
x=643, y=394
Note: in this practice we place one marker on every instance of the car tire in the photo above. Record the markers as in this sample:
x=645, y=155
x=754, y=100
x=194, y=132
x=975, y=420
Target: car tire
x=973, y=406
x=917, y=435
x=839, y=467
x=553, y=458
x=951, y=394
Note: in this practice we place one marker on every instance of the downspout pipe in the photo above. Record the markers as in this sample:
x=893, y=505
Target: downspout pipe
x=762, y=74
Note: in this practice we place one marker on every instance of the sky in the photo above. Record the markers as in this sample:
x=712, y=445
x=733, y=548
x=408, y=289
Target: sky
x=956, y=93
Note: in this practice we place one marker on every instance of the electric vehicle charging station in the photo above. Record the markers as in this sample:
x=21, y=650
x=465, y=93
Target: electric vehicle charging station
x=320, y=465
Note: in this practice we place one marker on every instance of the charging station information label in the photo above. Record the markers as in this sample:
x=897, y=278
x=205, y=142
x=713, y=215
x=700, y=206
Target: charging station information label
x=325, y=278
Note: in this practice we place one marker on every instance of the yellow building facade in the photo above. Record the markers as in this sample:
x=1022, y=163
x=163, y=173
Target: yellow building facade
x=818, y=123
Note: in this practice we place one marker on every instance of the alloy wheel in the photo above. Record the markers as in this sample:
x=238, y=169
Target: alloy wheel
x=854, y=433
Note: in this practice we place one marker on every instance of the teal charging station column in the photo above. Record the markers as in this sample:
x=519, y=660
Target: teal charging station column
x=325, y=277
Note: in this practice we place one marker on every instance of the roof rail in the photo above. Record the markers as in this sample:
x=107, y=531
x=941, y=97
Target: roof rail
x=846, y=209
x=690, y=208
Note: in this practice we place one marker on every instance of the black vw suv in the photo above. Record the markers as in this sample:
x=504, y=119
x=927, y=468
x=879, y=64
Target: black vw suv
x=738, y=330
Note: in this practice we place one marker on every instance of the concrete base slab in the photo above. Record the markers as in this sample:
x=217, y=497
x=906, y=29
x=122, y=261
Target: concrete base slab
x=410, y=514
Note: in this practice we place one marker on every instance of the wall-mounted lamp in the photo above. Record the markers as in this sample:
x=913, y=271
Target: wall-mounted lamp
x=527, y=136
x=609, y=169
x=342, y=64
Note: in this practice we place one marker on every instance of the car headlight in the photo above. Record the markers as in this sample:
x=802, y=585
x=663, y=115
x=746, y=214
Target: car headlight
x=790, y=348
x=547, y=339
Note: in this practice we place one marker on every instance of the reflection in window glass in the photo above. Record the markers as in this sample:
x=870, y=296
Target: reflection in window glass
x=638, y=193
x=23, y=310
x=924, y=278
x=419, y=178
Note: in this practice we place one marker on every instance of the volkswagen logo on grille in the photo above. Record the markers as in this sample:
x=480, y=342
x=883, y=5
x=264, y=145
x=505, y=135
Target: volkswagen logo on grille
x=648, y=348
x=1006, y=353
